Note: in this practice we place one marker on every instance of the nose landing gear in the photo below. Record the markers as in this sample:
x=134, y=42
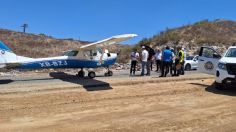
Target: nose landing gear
x=81, y=73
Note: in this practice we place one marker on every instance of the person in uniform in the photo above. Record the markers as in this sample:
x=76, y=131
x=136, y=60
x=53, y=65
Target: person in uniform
x=180, y=57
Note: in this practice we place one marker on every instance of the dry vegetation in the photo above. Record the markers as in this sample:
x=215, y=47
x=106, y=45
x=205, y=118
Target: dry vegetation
x=219, y=32
x=36, y=45
x=32, y=45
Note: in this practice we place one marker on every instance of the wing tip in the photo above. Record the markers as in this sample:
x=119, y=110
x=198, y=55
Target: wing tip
x=126, y=35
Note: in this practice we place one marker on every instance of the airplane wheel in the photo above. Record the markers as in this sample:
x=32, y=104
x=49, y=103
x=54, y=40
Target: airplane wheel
x=106, y=74
x=91, y=74
x=110, y=73
x=81, y=74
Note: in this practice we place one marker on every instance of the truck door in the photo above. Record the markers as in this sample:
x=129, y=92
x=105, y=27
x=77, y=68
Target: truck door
x=195, y=62
x=208, y=60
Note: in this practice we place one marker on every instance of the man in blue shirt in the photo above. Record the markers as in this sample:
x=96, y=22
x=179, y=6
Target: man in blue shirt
x=167, y=57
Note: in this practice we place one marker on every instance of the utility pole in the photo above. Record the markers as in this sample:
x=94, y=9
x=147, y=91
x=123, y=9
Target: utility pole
x=24, y=27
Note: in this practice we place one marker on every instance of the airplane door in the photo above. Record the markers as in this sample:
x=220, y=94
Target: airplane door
x=208, y=60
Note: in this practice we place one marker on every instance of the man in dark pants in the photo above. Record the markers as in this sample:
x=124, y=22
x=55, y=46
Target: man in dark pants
x=158, y=57
x=134, y=59
x=167, y=58
x=172, y=62
x=175, y=67
x=151, y=54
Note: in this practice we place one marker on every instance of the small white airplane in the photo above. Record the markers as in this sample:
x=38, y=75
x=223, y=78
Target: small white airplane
x=87, y=56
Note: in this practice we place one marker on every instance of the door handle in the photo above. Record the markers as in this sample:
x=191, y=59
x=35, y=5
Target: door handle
x=201, y=60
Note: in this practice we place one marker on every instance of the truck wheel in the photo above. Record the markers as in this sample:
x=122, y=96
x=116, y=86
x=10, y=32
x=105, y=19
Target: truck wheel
x=219, y=86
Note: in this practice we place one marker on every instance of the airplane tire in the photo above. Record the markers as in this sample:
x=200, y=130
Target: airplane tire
x=81, y=74
x=106, y=74
x=110, y=73
x=91, y=74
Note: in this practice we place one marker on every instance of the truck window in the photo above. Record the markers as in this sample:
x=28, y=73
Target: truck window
x=210, y=53
x=207, y=52
x=231, y=52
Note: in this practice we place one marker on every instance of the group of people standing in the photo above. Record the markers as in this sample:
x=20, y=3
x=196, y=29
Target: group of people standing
x=167, y=61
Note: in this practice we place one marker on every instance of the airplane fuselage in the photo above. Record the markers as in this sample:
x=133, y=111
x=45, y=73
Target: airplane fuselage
x=87, y=56
x=64, y=62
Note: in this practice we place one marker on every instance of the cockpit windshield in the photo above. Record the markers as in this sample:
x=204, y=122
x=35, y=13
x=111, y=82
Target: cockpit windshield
x=88, y=54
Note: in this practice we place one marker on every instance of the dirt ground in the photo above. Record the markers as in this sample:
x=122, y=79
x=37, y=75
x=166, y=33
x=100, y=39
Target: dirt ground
x=166, y=105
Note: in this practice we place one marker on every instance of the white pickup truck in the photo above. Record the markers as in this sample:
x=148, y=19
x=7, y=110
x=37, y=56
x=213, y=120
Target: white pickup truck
x=223, y=67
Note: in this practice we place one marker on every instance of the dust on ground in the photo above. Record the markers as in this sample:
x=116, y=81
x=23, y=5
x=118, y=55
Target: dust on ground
x=119, y=104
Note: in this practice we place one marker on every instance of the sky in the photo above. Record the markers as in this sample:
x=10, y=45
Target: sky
x=93, y=20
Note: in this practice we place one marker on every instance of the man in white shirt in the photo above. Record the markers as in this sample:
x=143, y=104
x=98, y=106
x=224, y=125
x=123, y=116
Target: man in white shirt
x=144, y=59
x=158, y=57
x=134, y=59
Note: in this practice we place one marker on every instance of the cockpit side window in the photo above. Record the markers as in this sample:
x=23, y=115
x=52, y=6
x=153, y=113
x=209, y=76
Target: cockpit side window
x=71, y=53
x=99, y=50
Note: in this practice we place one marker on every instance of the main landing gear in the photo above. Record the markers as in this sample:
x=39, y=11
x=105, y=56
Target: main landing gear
x=81, y=74
x=92, y=74
x=109, y=72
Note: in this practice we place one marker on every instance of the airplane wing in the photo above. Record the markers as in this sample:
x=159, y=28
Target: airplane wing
x=109, y=41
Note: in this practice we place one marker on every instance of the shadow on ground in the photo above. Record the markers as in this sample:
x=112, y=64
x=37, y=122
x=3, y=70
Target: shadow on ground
x=6, y=81
x=88, y=84
x=211, y=88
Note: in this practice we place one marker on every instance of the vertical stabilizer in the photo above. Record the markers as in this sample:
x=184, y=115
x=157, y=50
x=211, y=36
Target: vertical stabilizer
x=6, y=55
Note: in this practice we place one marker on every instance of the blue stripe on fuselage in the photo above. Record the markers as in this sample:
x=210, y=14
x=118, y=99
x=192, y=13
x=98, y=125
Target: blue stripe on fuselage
x=65, y=64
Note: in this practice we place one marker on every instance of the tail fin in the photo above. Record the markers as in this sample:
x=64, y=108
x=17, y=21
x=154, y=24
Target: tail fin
x=6, y=55
x=4, y=47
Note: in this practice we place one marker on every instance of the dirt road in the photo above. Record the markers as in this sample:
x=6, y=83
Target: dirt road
x=124, y=104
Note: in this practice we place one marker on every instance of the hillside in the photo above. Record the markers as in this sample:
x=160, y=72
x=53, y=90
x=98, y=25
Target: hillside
x=37, y=46
x=219, y=32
